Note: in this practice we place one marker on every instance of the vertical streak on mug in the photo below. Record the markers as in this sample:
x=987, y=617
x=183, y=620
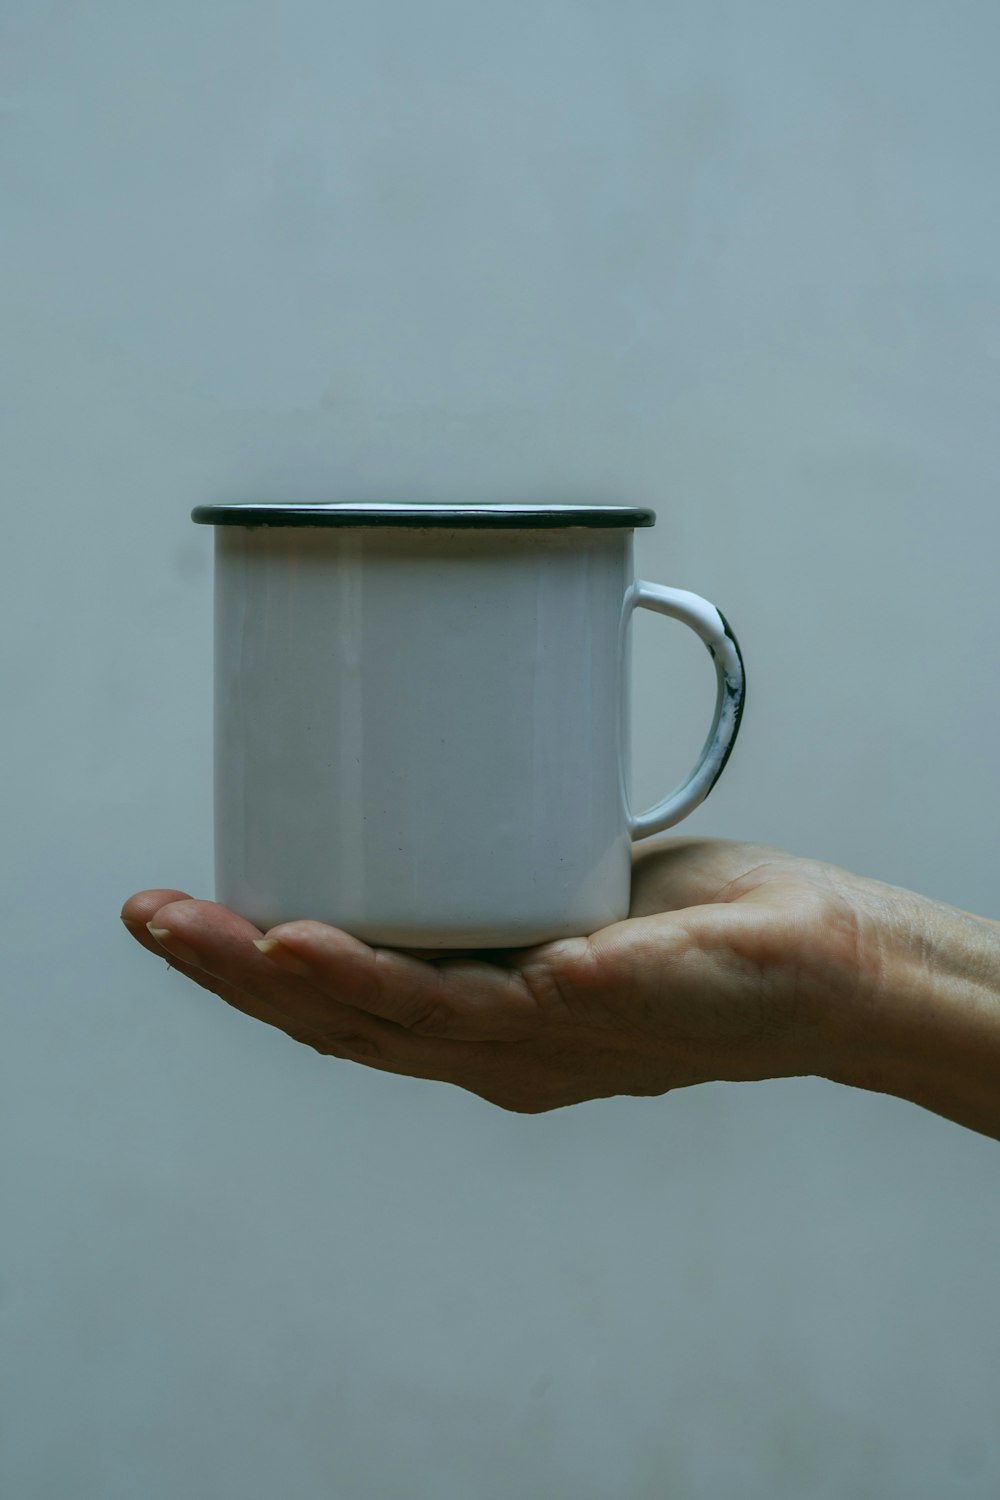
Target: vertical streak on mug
x=233, y=622
x=536, y=781
x=347, y=708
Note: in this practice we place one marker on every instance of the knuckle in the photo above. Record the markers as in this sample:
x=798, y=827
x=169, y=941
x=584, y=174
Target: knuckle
x=352, y=1045
x=432, y=1018
x=565, y=977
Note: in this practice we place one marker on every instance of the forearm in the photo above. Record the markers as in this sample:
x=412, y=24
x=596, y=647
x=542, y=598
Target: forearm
x=930, y=1027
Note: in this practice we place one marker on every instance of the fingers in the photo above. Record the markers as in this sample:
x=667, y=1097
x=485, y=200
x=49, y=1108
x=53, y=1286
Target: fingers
x=385, y=1009
x=139, y=910
x=207, y=968
x=236, y=999
x=464, y=999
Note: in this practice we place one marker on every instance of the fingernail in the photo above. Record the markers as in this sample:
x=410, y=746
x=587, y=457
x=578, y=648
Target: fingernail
x=174, y=946
x=279, y=954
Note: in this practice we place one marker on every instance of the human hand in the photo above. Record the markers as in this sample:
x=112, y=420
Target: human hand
x=736, y=962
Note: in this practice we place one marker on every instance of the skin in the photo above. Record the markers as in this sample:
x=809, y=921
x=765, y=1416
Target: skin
x=737, y=961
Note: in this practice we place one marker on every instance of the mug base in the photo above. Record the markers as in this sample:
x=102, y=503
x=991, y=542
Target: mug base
x=431, y=941
x=422, y=938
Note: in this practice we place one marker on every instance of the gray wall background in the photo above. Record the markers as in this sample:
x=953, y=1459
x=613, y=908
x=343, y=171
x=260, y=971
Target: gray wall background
x=737, y=261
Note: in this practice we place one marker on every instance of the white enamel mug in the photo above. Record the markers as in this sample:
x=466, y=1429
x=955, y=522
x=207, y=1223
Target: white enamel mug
x=422, y=717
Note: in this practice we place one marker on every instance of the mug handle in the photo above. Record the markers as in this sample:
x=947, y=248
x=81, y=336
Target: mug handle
x=714, y=629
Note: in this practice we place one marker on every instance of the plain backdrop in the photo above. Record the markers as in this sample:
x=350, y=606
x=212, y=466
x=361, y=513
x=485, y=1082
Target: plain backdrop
x=737, y=261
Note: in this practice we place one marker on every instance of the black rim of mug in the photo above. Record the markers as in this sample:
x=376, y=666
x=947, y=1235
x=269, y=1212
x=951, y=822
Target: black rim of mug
x=422, y=514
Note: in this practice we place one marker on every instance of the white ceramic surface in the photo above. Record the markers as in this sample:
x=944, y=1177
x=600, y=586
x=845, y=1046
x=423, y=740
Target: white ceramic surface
x=422, y=734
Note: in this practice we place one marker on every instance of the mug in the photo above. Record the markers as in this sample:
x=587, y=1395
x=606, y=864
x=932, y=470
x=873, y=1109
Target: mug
x=422, y=717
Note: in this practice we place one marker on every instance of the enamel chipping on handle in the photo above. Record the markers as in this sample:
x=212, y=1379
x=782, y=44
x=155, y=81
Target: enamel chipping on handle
x=712, y=627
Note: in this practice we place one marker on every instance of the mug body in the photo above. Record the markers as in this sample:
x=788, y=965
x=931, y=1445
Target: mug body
x=421, y=733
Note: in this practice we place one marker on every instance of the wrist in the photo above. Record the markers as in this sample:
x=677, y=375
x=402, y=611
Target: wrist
x=925, y=1021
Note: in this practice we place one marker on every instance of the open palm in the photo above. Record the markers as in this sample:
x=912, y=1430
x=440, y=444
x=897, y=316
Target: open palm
x=730, y=965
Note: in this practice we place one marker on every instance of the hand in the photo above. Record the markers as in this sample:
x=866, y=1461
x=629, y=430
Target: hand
x=725, y=969
x=737, y=962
